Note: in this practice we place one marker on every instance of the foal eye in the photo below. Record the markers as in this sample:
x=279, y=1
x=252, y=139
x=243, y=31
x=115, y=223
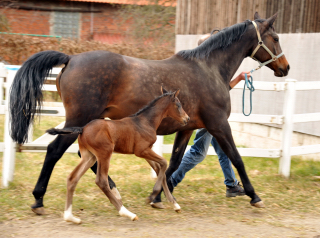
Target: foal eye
x=276, y=39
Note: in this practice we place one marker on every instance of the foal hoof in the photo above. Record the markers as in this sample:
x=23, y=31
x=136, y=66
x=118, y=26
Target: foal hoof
x=258, y=204
x=157, y=205
x=136, y=218
x=39, y=210
x=177, y=208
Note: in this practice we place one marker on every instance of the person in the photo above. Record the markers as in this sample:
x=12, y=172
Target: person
x=198, y=152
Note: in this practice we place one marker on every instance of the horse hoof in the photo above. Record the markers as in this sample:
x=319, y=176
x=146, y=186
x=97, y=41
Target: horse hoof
x=258, y=204
x=136, y=218
x=178, y=211
x=157, y=205
x=39, y=210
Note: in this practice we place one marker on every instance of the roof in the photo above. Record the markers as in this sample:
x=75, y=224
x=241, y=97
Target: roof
x=137, y=2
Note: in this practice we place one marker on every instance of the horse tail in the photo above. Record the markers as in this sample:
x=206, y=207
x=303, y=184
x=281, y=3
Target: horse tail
x=25, y=93
x=67, y=130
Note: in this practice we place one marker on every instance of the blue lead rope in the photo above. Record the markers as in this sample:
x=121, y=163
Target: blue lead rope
x=249, y=84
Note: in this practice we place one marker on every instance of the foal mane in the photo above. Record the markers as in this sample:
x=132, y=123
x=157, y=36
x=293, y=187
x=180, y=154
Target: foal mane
x=220, y=40
x=151, y=104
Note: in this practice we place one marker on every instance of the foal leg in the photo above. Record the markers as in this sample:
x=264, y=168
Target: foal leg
x=88, y=159
x=180, y=144
x=54, y=152
x=103, y=184
x=112, y=184
x=150, y=155
x=220, y=129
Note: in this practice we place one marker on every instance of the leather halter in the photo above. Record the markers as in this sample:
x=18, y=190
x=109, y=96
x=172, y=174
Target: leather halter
x=261, y=44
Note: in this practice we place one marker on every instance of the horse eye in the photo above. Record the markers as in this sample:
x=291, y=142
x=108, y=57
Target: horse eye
x=276, y=39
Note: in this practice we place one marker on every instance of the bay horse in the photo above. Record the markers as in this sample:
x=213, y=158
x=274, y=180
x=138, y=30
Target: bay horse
x=101, y=84
x=130, y=135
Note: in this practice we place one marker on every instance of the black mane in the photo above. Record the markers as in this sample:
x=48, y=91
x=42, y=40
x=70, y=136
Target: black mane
x=220, y=40
x=151, y=104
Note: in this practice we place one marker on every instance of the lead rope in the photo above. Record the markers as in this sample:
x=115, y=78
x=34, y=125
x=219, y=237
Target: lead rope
x=249, y=84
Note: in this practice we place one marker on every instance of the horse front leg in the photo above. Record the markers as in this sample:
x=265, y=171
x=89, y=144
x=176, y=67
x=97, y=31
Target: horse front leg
x=55, y=151
x=219, y=127
x=180, y=144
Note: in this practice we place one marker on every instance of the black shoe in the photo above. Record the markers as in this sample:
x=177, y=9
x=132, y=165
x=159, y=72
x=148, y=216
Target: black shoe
x=235, y=191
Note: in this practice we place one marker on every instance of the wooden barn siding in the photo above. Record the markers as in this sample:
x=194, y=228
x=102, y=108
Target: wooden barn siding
x=201, y=16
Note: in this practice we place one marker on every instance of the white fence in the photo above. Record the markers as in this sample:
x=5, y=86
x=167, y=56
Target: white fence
x=290, y=86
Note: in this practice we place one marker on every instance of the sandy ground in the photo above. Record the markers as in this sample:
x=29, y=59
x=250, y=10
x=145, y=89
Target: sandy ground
x=184, y=226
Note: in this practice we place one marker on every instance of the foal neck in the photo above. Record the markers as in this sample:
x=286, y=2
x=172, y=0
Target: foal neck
x=154, y=112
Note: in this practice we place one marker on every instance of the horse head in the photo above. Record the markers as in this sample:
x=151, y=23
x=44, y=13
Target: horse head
x=175, y=109
x=267, y=47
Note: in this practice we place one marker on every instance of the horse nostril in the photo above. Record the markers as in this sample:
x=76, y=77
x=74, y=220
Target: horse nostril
x=288, y=67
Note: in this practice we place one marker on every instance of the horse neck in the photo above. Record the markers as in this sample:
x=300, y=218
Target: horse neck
x=228, y=60
x=156, y=113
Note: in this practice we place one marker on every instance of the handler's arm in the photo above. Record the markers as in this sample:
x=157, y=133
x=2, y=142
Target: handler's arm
x=237, y=79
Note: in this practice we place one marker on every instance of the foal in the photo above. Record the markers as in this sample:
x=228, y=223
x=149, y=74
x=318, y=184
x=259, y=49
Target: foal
x=131, y=135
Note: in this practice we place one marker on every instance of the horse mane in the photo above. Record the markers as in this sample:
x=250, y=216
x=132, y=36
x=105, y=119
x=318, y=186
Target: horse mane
x=151, y=104
x=220, y=40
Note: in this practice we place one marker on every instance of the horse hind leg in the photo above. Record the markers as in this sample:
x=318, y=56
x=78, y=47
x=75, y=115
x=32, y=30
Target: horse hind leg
x=103, y=184
x=112, y=184
x=88, y=159
x=54, y=152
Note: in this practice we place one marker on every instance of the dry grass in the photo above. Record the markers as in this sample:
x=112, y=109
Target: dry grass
x=16, y=49
x=202, y=193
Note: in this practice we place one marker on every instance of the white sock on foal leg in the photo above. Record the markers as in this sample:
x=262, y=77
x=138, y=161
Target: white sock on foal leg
x=69, y=217
x=176, y=207
x=124, y=212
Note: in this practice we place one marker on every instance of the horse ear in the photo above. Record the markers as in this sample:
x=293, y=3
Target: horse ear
x=163, y=90
x=256, y=16
x=271, y=20
x=176, y=93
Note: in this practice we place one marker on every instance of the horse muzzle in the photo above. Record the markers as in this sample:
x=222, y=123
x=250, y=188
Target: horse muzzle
x=281, y=72
x=185, y=121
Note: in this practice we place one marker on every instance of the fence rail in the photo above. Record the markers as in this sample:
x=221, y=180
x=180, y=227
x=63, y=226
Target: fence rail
x=290, y=87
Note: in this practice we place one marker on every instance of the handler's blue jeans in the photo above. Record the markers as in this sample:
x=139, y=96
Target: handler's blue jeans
x=196, y=155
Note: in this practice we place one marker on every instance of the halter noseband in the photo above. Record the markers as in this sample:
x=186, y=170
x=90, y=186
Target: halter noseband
x=261, y=44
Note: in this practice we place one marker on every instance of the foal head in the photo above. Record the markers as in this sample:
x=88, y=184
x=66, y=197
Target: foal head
x=175, y=109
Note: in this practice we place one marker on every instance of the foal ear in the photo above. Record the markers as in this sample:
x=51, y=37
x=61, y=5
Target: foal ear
x=176, y=93
x=256, y=16
x=271, y=20
x=163, y=90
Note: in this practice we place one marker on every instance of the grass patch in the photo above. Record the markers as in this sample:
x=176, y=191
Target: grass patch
x=202, y=193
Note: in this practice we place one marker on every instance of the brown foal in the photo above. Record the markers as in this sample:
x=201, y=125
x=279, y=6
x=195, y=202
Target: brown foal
x=131, y=135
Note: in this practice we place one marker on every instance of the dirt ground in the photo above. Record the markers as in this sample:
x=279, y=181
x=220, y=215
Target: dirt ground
x=181, y=225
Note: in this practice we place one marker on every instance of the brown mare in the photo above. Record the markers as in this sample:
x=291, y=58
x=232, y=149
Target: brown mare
x=130, y=135
x=102, y=84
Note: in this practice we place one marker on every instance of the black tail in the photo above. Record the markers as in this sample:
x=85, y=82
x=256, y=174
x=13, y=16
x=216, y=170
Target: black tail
x=67, y=130
x=25, y=93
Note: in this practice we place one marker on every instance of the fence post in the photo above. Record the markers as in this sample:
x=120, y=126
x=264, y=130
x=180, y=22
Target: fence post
x=157, y=147
x=9, y=146
x=288, y=111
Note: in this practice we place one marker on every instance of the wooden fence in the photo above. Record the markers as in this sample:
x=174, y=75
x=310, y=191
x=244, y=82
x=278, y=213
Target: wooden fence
x=287, y=119
x=201, y=16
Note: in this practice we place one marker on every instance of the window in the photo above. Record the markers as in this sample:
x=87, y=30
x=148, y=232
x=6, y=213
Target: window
x=66, y=24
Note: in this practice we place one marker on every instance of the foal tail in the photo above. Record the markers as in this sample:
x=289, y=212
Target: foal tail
x=25, y=93
x=67, y=130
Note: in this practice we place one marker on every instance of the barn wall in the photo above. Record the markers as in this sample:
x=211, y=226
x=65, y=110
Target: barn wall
x=201, y=16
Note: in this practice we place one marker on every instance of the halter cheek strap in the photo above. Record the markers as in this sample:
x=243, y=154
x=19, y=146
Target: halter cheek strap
x=261, y=44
